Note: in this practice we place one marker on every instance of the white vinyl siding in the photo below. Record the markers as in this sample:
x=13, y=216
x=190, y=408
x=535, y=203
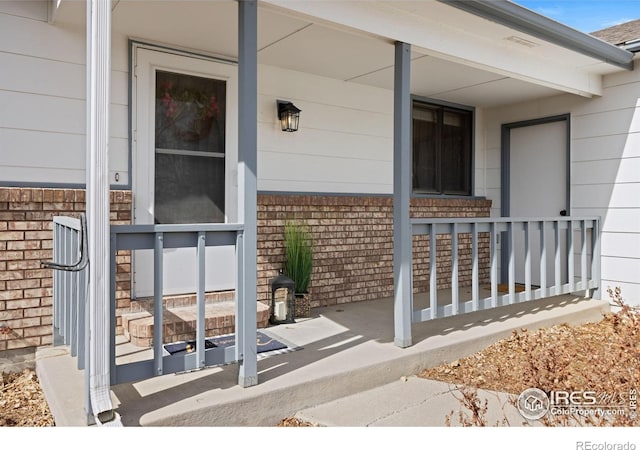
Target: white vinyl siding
x=344, y=142
x=42, y=93
x=605, y=168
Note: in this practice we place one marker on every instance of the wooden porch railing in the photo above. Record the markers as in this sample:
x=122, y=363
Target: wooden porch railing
x=586, y=247
x=158, y=238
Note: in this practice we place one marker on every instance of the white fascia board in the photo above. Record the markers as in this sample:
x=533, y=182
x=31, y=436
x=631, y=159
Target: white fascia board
x=53, y=7
x=436, y=38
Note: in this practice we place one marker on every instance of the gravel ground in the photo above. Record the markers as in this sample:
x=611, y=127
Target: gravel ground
x=22, y=402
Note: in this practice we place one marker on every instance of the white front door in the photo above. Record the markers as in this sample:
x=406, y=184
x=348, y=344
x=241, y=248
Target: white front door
x=184, y=161
x=538, y=187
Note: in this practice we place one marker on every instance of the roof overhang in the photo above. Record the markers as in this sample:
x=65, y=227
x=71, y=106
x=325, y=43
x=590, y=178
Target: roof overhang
x=522, y=19
x=444, y=30
x=457, y=56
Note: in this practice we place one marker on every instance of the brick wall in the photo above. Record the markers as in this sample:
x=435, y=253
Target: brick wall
x=353, y=250
x=26, y=216
x=353, y=243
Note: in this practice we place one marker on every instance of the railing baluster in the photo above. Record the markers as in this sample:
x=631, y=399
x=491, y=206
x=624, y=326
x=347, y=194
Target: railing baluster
x=158, y=255
x=240, y=304
x=200, y=299
x=56, y=285
x=527, y=261
x=454, y=269
x=73, y=296
x=543, y=258
x=494, y=264
x=475, y=283
x=66, y=317
x=113, y=260
x=433, y=272
x=595, y=260
x=558, y=259
x=583, y=257
x=512, y=263
x=571, y=269
x=82, y=314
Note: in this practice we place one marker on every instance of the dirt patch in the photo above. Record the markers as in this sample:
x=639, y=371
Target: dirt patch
x=22, y=401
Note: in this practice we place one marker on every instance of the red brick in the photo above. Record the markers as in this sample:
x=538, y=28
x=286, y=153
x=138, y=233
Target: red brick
x=20, y=225
x=38, y=254
x=23, y=303
x=23, y=284
x=11, y=295
x=10, y=215
x=39, y=292
x=20, y=265
x=41, y=330
x=23, y=323
x=38, y=312
x=11, y=235
x=23, y=245
x=25, y=206
x=37, y=273
x=23, y=343
x=11, y=314
x=35, y=235
x=59, y=206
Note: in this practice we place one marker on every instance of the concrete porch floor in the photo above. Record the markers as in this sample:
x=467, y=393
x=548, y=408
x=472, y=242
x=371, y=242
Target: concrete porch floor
x=346, y=349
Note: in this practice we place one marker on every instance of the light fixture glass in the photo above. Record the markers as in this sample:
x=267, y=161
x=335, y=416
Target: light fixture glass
x=289, y=116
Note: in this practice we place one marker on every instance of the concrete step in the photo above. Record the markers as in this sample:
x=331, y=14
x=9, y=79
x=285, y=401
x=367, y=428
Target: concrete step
x=179, y=323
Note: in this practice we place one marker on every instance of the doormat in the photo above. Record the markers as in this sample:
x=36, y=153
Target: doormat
x=265, y=344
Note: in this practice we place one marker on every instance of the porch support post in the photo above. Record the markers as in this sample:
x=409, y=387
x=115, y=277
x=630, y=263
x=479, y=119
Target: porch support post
x=247, y=189
x=402, y=238
x=98, y=83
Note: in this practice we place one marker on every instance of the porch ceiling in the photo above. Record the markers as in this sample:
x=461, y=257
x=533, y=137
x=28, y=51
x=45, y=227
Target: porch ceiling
x=297, y=41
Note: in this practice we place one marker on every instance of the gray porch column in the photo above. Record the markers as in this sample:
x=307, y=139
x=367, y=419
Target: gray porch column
x=247, y=189
x=401, y=196
x=98, y=84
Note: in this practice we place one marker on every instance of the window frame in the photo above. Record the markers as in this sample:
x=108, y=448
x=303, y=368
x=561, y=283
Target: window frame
x=456, y=106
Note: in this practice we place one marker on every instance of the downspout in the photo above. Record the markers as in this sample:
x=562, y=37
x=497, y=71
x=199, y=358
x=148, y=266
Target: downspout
x=97, y=208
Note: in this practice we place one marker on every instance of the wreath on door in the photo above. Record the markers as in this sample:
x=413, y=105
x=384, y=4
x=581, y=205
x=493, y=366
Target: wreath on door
x=189, y=113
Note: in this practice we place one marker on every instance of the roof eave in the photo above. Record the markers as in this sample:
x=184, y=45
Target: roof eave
x=633, y=47
x=519, y=18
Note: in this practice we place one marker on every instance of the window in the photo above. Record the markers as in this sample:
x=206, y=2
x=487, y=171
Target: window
x=189, y=149
x=442, y=153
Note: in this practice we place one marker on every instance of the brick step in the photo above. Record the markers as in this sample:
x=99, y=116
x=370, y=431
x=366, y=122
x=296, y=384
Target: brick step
x=179, y=301
x=179, y=323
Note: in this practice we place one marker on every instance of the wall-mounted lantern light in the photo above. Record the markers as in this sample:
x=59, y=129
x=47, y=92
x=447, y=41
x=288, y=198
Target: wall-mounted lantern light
x=289, y=115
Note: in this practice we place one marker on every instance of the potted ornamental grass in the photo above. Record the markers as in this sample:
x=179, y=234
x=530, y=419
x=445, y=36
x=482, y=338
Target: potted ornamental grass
x=298, y=264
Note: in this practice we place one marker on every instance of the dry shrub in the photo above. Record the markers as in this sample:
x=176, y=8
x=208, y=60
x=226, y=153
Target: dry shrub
x=294, y=422
x=603, y=357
